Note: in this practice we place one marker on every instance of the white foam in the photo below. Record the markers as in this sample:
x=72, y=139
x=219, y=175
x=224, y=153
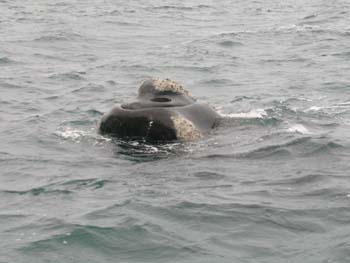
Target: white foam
x=314, y=108
x=71, y=133
x=77, y=135
x=340, y=106
x=299, y=128
x=151, y=149
x=253, y=114
x=297, y=28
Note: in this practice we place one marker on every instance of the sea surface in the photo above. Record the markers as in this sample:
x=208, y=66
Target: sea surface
x=270, y=184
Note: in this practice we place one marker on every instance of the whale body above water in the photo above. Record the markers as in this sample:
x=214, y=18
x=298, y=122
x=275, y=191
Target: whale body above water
x=162, y=111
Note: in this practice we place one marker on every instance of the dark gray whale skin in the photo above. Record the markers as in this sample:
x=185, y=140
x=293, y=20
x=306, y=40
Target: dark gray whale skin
x=163, y=111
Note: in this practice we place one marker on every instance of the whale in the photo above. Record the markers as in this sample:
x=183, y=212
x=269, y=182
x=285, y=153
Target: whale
x=162, y=111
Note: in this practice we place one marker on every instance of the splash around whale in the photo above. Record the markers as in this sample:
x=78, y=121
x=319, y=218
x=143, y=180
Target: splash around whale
x=162, y=111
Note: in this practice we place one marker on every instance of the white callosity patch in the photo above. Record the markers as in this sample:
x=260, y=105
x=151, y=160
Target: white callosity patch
x=185, y=129
x=169, y=85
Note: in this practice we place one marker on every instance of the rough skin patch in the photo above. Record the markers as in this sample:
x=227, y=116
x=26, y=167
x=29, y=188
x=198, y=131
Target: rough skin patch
x=169, y=85
x=185, y=129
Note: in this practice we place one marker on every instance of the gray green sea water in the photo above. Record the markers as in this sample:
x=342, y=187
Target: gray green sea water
x=270, y=184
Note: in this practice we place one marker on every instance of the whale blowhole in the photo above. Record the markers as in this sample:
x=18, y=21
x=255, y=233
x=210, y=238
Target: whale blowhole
x=161, y=99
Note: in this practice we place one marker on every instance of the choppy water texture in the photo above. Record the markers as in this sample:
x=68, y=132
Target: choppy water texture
x=271, y=184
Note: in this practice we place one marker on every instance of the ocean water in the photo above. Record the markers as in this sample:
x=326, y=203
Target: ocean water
x=270, y=184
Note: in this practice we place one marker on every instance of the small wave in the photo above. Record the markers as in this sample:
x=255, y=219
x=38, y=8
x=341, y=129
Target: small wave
x=328, y=193
x=47, y=56
x=230, y=43
x=339, y=86
x=114, y=12
x=182, y=8
x=115, y=243
x=58, y=37
x=126, y=24
x=173, y=7
x=209, y=175
x=61, y=4
x=243, y=98
x=291, y=59
x=322, y=147
x=309, y=17
x=68, y=76
x=94, y=112
x=226, y=35
x=38, y=191
x=91, y=87
x=302, y=180
x=344, y=55
x=295, y=146
x=224, y=39
x=217, y=82
x=64, y=188
x=5, y=61
x=264, y=151
x=51, y=38
x=86, y=183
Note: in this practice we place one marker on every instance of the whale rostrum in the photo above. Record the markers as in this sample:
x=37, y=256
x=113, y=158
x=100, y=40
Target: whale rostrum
x=163, y=110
